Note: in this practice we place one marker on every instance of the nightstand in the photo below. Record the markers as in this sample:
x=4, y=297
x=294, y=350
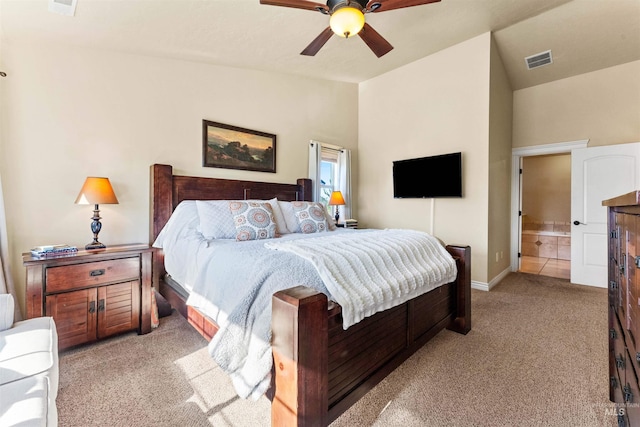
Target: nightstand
x=92, y=294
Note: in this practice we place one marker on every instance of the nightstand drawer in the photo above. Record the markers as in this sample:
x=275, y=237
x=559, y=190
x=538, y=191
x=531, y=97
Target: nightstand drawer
x=78, y=276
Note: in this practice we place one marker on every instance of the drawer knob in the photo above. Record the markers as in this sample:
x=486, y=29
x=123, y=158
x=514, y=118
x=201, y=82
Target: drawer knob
x=612, y=334
x=101, y=305
x=92, y=307
x=614, y=382
x=628, y=395
x=95, y=273
x=619, y=361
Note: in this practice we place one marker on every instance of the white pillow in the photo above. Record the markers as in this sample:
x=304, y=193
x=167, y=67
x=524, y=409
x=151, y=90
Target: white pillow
x=216, y=220
x=183, y=222
x=253, y=220
x=289, y=216
x=6, y=311
x=281, y=223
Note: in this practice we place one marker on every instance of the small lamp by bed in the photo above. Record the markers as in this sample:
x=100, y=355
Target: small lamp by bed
x=336, y=200
x=96, y=191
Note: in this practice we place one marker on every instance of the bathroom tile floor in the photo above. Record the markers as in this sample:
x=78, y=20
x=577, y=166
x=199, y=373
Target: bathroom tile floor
x=546, y=267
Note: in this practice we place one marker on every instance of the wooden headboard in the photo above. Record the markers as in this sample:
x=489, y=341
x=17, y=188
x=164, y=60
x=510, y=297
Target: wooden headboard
x=168, y=190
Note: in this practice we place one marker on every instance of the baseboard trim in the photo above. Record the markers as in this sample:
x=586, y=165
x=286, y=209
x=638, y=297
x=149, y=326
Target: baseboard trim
x=482, y=286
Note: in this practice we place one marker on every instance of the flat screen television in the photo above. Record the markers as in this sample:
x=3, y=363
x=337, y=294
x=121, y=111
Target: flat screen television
x=428, y=177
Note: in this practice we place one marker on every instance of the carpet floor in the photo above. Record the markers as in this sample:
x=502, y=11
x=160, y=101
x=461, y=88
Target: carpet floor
x=536, y=356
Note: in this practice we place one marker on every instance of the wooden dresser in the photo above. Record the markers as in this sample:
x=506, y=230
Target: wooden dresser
x=624, y=306
x=92, y=294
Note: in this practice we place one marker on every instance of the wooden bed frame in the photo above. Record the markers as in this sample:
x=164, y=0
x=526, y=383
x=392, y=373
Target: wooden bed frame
x=320, y=370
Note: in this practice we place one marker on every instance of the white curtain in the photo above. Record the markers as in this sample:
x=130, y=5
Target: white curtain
x=344, y=180
x=315, y=157
x=6, y=282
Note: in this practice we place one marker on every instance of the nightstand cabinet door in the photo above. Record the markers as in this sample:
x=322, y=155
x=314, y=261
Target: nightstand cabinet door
x=118, y=308
x=75, y=316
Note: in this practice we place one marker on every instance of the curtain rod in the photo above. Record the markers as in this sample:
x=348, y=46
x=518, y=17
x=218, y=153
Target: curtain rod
x=328, y=147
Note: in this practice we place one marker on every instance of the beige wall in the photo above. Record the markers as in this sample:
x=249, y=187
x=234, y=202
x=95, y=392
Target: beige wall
x=500, y=129
x=602, y=106
x=436, y=105
x=546, y=187
x=76, y=112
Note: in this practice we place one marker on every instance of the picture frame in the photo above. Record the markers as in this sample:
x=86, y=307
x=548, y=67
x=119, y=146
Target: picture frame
x=233, y=147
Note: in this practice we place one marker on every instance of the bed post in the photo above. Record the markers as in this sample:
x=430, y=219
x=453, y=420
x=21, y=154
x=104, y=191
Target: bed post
x=306, y=190
x=161, y=198
x=299, y=324
x=161, y=209
x=462, y=321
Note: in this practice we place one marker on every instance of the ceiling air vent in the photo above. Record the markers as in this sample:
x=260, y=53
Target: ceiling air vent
x=63, y=7
x=538, y=60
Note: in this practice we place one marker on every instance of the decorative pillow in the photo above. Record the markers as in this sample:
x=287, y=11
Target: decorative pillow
x=291, y=219
x=311, y=217
x=253, y=220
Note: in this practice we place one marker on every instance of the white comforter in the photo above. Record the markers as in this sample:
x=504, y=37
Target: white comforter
x=233, y=282
x=374, y=271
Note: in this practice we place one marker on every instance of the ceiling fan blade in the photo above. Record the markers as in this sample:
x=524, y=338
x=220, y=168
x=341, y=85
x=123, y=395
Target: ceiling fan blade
x=298, y=4
x=395, y=4
x=317, y=44
x=375, y=41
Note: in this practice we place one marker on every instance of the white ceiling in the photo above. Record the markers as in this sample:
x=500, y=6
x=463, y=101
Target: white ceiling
x=583, y=35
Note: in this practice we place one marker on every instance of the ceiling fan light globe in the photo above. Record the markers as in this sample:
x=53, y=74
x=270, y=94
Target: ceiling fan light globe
x=346, y=21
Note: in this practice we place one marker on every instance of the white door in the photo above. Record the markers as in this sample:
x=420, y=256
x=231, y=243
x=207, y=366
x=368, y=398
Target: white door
x=597, y=174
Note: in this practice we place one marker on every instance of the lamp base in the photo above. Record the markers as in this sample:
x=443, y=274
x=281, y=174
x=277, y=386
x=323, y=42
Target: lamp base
x=96, y=226
x=94, y=245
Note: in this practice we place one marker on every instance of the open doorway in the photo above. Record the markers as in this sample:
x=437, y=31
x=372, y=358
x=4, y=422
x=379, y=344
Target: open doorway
x=518, y=156
x=545, y=239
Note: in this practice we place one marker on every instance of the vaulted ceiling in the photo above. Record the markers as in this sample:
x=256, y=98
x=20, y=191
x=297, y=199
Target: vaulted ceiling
x=583, y=35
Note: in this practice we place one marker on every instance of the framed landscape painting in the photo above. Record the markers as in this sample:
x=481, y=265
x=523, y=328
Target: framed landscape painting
x=232, y=147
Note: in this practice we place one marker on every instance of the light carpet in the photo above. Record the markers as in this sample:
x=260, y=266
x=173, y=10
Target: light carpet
x=536, y=356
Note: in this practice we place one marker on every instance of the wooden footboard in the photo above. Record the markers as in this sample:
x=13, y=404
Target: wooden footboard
x=321, y=370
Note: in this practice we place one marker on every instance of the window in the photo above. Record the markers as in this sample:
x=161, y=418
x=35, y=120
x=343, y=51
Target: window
x=328, y=175
x=330, y=170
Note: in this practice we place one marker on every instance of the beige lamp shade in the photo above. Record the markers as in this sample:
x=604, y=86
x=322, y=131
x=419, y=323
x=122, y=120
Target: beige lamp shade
x=96, y=191
x=336, y=199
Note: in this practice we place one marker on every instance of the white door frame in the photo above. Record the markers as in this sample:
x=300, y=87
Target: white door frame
x=516, y=157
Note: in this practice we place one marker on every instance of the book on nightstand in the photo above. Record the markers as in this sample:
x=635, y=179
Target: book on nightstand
x=53, y=250
x=348, y=223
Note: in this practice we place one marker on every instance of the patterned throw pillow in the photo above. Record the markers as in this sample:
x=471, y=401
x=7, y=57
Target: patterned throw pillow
x=311, y=217
x=253, y=220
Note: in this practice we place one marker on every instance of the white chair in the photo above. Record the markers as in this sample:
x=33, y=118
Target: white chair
x=28, y=369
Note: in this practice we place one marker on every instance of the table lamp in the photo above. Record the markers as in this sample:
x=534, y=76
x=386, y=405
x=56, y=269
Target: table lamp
x=96, y=191
x=336, y=200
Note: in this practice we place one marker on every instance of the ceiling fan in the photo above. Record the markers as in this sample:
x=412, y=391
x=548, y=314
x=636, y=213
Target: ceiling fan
x=347, y=20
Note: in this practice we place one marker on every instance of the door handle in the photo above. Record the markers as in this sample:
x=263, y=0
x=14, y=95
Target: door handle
x=578, y=223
